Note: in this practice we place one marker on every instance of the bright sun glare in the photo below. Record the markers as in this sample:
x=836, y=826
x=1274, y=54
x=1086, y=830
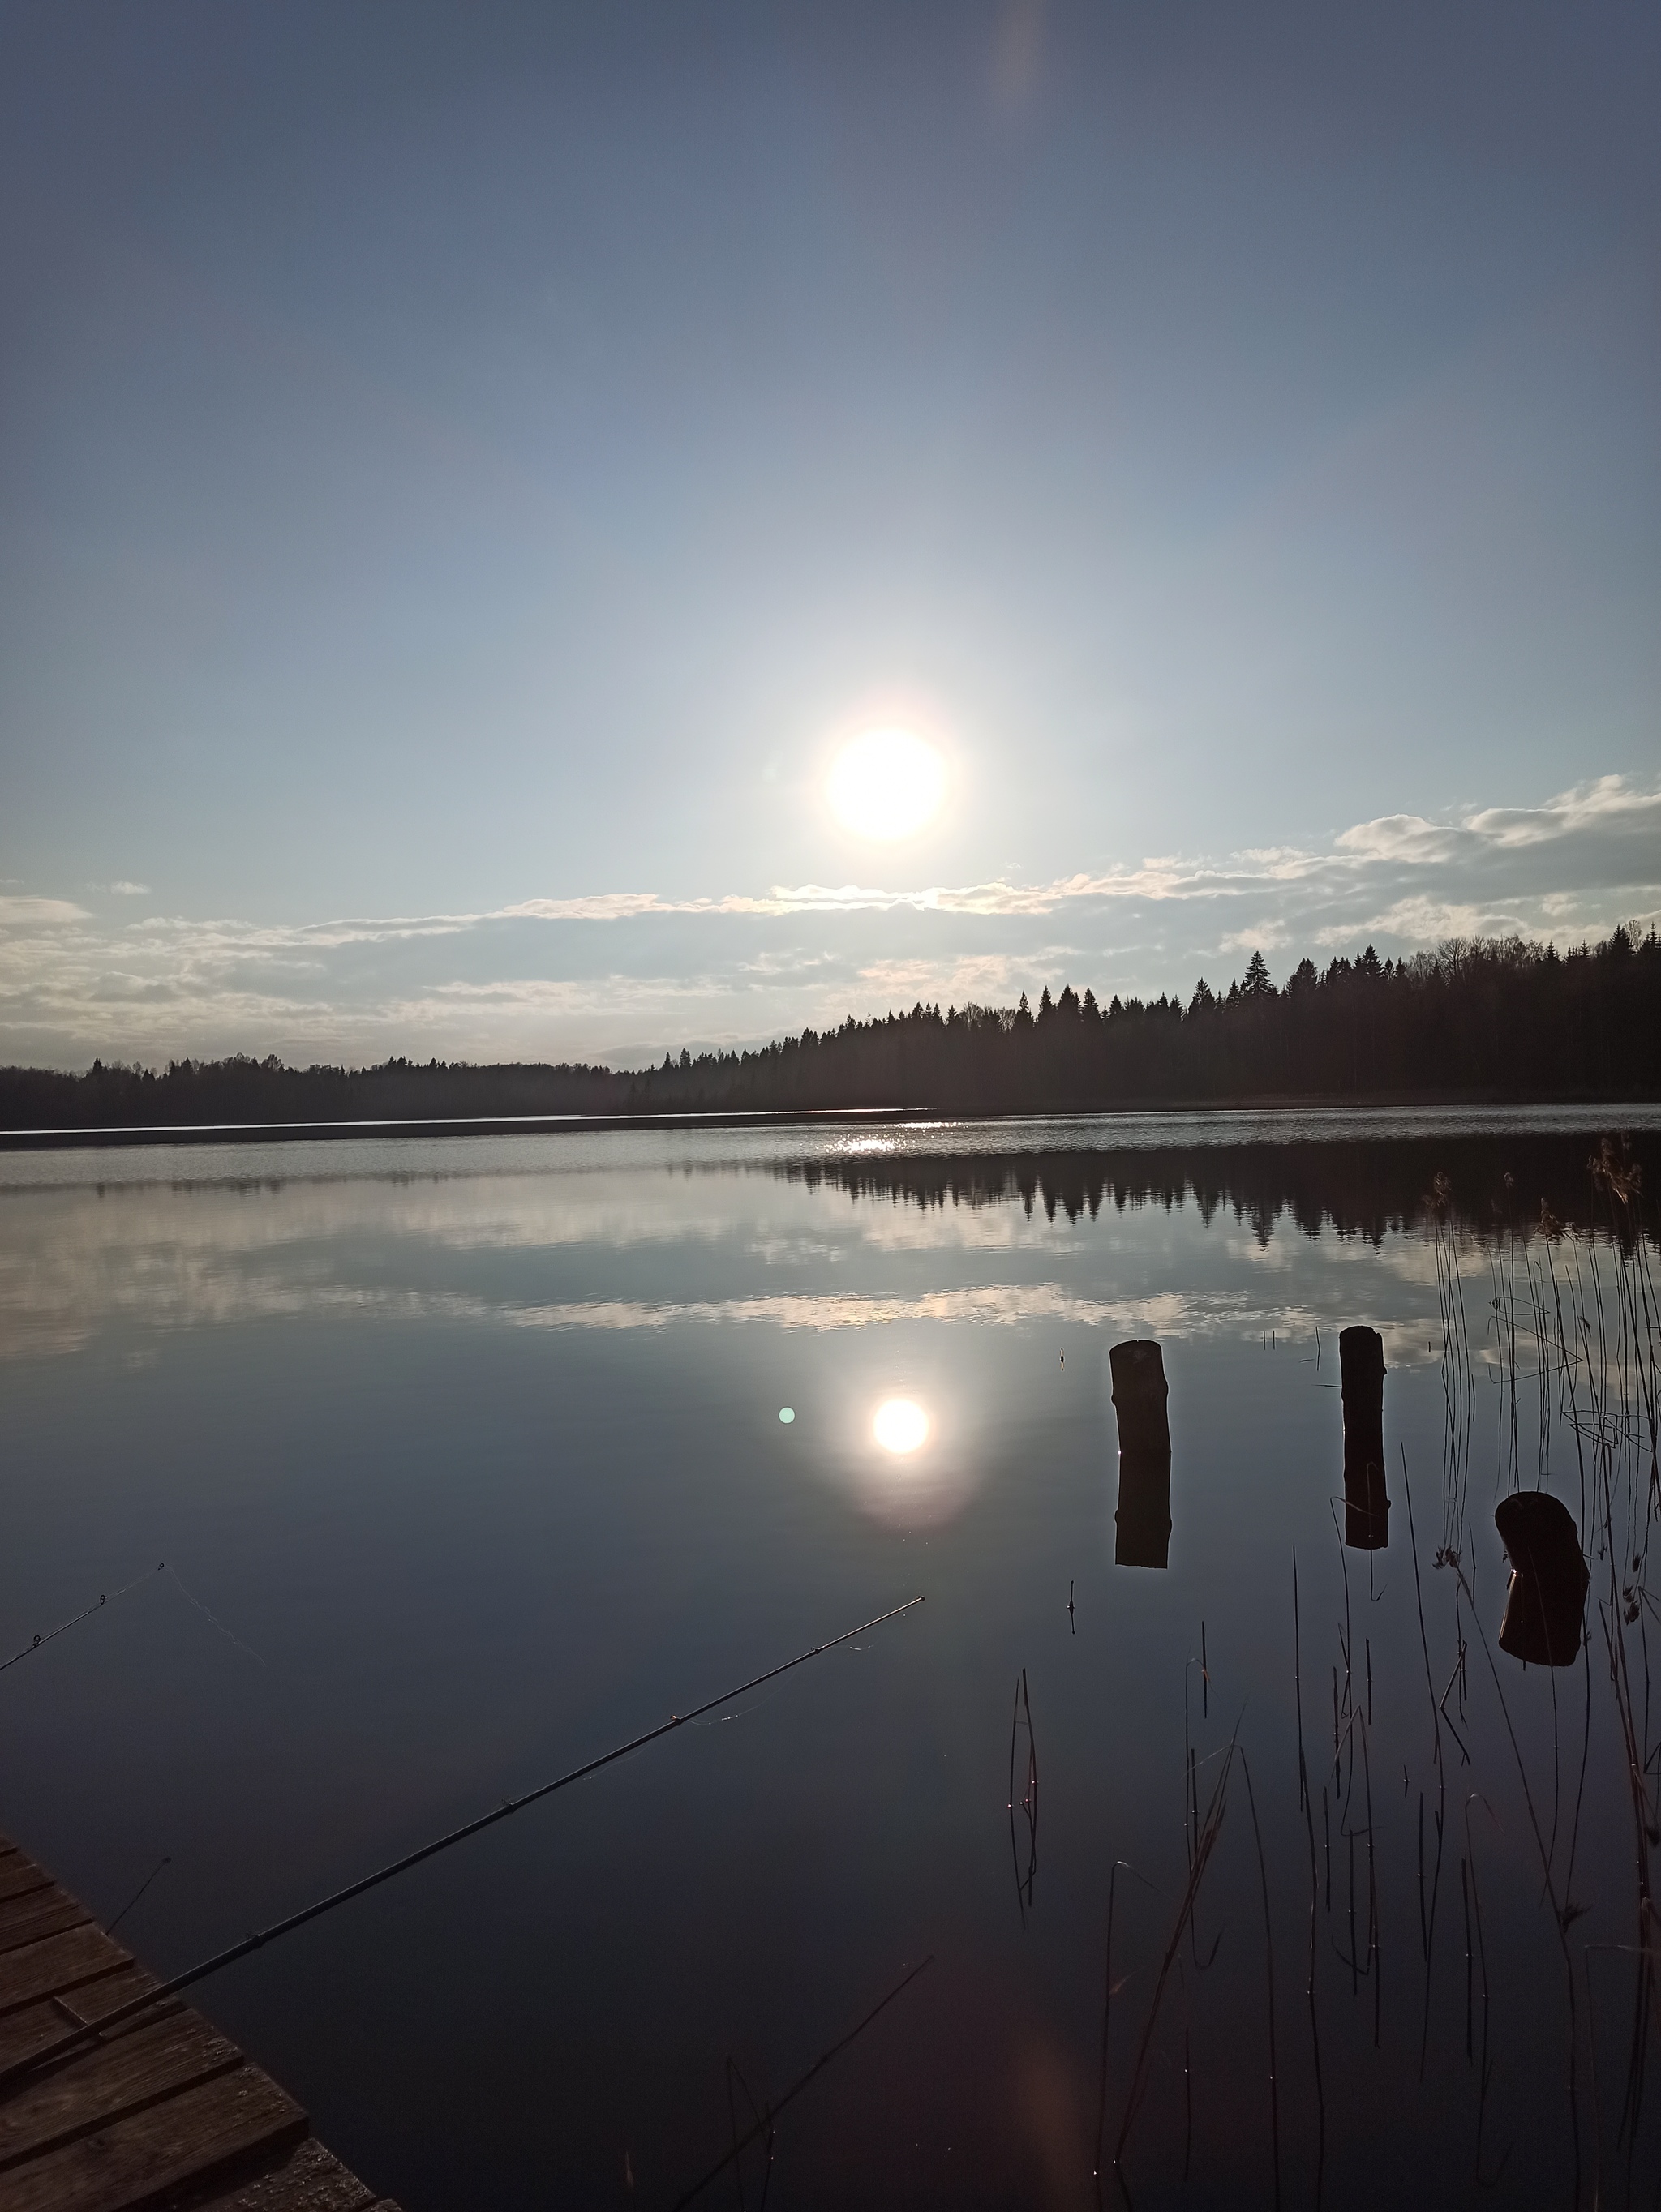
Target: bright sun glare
x=900, y=1426
x=887, y=783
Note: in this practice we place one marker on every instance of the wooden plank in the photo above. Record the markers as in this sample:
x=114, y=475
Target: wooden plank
x=59, y=1962
x=204, y=2134
x=42, y=1891
x=87, y=2092
x=310, y=2180
x=157, y=2112
x=46, y=1913
x=37, y=2024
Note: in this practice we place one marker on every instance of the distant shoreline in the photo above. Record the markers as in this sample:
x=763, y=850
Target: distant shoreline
x=1478, y=1023
x=1580, y=1113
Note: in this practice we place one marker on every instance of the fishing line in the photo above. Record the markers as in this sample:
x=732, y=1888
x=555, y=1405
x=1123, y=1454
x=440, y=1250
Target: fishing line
x=743, y=1711
x=166, y=1861
x=228, y=1957
x=212, y=1619
x=104, y=1599
x=109, y=1597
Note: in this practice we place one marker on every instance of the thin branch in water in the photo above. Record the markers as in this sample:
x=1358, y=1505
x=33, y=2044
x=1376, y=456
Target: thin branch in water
x=1206, y=1843
x=1426, y=1917
x=1464, y=1899
x=764, y=2125
x=1268, y=1948
x=1029, y=1801
x=733, y=2075
x=1107, y=2016
x=1558, y=1915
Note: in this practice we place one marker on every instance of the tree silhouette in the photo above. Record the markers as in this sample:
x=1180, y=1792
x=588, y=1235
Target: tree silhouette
x=1481, y=1018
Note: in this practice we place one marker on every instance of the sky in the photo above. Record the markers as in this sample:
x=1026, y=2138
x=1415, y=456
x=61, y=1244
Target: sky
x=466, y=471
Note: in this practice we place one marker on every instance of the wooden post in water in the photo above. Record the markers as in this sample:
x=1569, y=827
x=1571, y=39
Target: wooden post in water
x=1142, y=1522
x=1366, y=1500
x=1546, y=1596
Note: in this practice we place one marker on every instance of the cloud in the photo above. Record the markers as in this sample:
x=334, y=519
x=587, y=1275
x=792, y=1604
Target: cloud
x=39, y=913
x=572, y=977
x=1259, y=936
x=973, y=979
x=1622, y=819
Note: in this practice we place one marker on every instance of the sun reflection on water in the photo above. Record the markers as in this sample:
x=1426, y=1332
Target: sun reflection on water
x=900, y=1426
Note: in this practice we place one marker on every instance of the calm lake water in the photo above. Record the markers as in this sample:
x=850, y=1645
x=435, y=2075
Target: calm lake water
x=465, y=1460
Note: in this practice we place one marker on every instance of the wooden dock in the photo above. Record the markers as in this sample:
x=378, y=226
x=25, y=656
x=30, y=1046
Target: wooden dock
x=163, y=2112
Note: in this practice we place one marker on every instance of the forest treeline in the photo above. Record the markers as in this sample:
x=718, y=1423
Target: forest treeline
x=1478, y=1019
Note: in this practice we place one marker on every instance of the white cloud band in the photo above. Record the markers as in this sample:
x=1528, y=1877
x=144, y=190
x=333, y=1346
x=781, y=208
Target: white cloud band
x=509, y=981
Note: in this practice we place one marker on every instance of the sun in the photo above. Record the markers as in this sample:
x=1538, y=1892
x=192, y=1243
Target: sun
x=887, y=784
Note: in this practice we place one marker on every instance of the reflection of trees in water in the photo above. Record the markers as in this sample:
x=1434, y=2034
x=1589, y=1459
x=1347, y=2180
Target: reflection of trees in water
x=1500, y=1187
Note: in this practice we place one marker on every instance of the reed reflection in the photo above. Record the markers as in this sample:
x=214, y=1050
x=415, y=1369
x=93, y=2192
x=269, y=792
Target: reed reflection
x=1142, y=1521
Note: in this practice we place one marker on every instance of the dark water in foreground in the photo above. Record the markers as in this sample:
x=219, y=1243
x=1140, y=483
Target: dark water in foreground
x=465, y=1460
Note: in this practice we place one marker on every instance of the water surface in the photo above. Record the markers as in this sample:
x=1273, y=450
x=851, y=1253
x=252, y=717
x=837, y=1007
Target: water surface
x=465, y=1460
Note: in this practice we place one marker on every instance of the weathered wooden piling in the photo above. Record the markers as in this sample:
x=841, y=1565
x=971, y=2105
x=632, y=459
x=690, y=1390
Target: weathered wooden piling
x=1546, y=1596
x=1142, y=1521
x=1367, y=1497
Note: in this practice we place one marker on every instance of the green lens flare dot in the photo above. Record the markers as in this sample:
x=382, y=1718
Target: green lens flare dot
x=787, y=1414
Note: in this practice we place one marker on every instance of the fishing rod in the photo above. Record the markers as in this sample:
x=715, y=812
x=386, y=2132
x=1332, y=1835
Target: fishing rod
x=256, y=1942
x=64, y=1627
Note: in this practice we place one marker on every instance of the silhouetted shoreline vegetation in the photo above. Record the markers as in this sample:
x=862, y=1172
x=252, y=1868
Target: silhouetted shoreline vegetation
x=1522, y=1185
x=1480, y=1019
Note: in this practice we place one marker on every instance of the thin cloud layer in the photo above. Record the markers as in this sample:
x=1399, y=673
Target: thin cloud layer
x=520, y=980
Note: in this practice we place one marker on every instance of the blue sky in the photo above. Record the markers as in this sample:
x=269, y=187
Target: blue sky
x=463, y=471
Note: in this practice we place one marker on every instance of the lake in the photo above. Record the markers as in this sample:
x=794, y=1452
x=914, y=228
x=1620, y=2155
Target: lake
x=466, y=1460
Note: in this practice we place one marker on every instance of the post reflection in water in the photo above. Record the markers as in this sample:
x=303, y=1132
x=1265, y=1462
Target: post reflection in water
x=1367, y=1499
x=1142, y=1521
